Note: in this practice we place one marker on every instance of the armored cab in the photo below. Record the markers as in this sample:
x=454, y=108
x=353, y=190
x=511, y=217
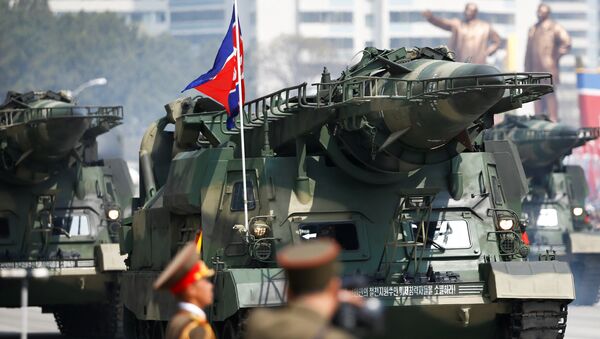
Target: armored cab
x=388, y=160
x=555, y=203
x=61, y=208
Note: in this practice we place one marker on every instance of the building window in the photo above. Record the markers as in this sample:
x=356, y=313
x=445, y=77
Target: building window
x=326, y=17
x=137, y=17
x=564, y=1
x=197, y=15
x=336, y=43
x=408, y=17
x=160, y=16
x=201, y=38
x=498, y=18
x=193, y=2
x=415, y=16
x=569, y=16
x=417, y=42
x=369, y=20
x=578, y=34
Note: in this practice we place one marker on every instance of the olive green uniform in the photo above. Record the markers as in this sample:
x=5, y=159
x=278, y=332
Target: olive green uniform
x=185, y=325
x=291, y=322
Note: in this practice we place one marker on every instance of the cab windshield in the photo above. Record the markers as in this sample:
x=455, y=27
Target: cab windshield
x=76, y=224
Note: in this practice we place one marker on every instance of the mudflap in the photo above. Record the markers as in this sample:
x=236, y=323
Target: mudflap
x=140, y=298
x=531, y=280
x=242, y=288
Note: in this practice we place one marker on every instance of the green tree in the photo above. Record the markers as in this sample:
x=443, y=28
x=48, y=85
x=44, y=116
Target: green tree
x=40, y=51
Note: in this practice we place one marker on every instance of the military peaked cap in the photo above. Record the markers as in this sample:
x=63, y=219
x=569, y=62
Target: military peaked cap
x=183, y=270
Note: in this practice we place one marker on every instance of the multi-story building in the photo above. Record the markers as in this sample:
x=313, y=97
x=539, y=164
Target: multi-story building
x=347, y=26
x=152, y=16
x=198, y=21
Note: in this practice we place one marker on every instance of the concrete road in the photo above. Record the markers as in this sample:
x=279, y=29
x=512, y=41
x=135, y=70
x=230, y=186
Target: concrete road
x=583, y=323
x=40, y=325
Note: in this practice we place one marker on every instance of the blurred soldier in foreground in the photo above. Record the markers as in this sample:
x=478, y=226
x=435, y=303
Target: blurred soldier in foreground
x=186, y=277
x=313, y=293
x=547, y=42
x=472, y=39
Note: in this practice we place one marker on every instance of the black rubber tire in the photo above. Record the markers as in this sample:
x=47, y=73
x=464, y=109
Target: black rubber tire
x=541, y=319
x=130, y=330
x=234, y=326
x=93, y=320
x=135, y=328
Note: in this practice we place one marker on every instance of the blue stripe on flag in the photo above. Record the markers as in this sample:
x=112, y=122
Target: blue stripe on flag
x=588, y=81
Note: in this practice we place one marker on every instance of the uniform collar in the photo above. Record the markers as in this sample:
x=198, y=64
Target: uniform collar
x=193, y=309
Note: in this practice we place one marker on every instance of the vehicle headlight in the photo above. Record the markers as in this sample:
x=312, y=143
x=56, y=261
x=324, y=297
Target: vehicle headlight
x=577, y=211
x=506, y=224
x=260, y=229
x=113, y=214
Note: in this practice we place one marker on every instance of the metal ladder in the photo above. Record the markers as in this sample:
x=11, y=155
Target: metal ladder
x=402, y=236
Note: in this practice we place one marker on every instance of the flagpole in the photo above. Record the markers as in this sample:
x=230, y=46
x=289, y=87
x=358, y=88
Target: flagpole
x=241, y=110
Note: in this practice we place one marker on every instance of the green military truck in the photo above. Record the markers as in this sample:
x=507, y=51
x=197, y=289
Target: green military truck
x=388, y=160
x=61, y=209
x=555, y=203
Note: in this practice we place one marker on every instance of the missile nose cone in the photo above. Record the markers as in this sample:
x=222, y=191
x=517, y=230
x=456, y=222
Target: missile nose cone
x=484, y=77
x=561, y=138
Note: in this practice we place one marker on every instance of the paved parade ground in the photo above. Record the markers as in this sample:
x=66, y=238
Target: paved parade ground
x=583, y=323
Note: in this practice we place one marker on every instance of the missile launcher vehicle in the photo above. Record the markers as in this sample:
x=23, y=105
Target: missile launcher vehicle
x=388, y=160
x=555, y=203
x=61, y=208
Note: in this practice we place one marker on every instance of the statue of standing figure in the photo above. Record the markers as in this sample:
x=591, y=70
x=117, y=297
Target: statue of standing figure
x=547, y=43
x=472, y=40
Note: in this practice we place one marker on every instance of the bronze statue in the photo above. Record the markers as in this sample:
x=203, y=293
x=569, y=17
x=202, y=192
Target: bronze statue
x=472, y=39
x=547, y=42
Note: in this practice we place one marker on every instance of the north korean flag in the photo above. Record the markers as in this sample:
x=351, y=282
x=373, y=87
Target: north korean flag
x=221, y=82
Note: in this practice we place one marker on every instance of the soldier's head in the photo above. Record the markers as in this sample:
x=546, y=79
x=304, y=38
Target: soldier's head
x=186, y=277
x=470, y=12
x=311, y=268
x=543, y=12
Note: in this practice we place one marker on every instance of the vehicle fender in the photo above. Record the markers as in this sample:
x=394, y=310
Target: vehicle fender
x=236, y=289
x=529, y=280
x=109, y=258
x=584, y=242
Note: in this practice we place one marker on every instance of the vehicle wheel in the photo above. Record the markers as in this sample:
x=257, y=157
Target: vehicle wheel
x=130, y=324
x=541, y=319
x=157, y=329
x=234, y=326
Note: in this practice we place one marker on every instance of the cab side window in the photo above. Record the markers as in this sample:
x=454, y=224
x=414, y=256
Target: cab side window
x=343, y=232
x=74, y=225
x=4, y=228
x=237, y=199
